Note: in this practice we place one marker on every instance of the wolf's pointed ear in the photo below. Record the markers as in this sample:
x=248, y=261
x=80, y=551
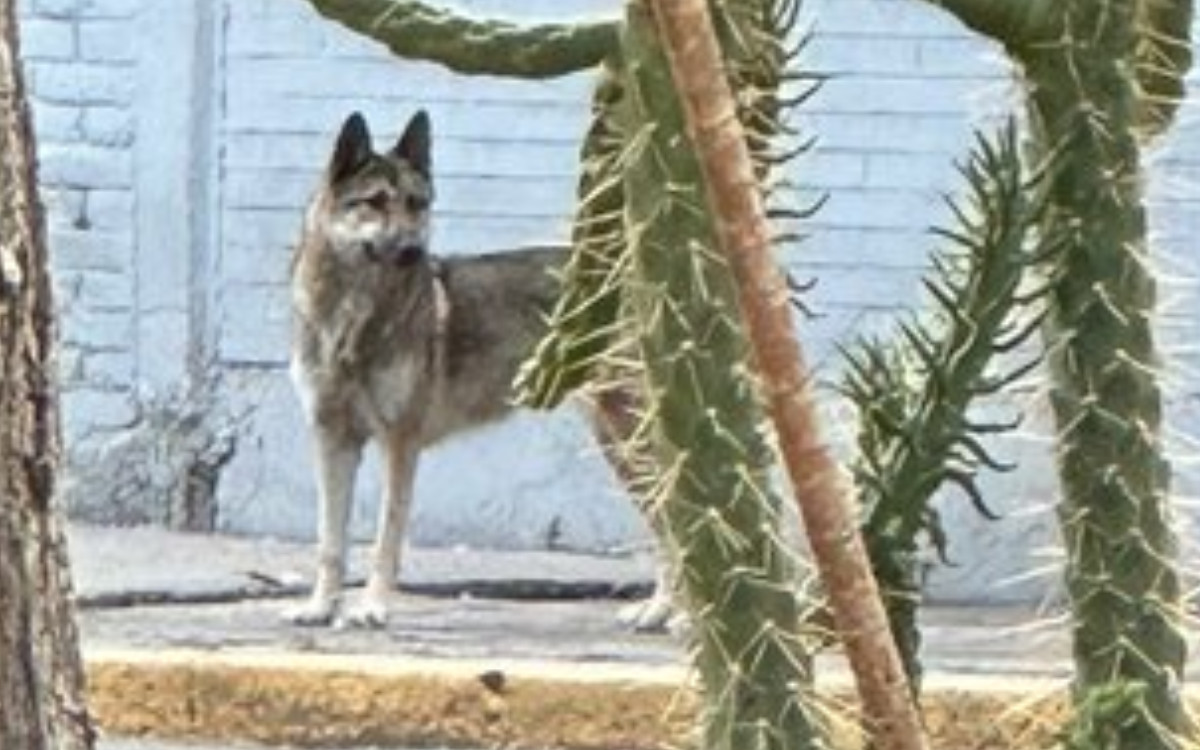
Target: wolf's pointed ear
x=414, y=145
x=353, y=148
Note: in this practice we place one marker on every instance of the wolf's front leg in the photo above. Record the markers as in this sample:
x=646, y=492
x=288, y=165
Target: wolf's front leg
x=400, y=458
x=337, y=460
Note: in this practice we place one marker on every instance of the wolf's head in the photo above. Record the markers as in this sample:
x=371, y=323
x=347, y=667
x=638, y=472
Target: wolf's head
x=375, y=206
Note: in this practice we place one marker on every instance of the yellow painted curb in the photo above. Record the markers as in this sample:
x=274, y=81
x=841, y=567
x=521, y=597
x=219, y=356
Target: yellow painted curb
x=277, y=697
x=311, y=699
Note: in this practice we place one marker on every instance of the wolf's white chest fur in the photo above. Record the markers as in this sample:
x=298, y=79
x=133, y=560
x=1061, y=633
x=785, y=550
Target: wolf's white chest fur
x=382, y=397
x=388, y=395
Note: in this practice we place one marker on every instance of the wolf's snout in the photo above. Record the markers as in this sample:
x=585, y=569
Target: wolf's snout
x=409, y=255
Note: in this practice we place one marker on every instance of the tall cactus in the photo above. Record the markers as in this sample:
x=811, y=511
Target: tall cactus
x=731, y=179
x=714, y=499
x=1102, y=77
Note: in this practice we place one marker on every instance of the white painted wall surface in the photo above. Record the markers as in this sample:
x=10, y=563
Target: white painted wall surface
x=179, y=140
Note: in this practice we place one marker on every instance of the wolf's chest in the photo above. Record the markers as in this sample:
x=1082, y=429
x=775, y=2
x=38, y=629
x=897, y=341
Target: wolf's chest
x=372, y=399
x=371, y=370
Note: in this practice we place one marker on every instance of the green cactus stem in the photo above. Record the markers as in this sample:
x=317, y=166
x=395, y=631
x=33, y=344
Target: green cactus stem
x=1103, y=76
x=418, y=31
x=715, y=504
x=1114, y=512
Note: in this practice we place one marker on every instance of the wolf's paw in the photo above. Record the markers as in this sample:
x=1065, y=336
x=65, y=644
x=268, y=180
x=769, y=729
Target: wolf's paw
x=315, y=612
x=653, y=615
x=368, y=613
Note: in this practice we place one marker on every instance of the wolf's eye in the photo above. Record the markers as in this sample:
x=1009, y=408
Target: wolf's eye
x=377, y=200
x=416, y=203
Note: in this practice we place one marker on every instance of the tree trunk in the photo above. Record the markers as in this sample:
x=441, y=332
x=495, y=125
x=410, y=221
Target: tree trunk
x=41, y=679
x=686, y=30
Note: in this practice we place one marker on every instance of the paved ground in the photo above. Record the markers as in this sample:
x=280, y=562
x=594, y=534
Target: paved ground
x=148, y=588
x=183, y=639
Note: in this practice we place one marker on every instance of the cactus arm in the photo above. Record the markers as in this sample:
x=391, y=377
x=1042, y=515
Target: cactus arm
x=1014, y=23
x=913, y=406
x=418, y=31
x=582, y=326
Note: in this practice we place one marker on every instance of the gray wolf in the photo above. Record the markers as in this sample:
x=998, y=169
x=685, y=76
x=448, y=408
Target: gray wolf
x=395, y=345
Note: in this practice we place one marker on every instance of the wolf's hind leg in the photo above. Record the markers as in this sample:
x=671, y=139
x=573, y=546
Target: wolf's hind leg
x=614, y=420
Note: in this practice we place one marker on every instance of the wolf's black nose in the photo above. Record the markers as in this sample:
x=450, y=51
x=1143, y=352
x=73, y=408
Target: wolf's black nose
x=410, y=255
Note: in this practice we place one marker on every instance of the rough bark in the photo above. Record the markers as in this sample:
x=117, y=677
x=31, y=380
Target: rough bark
x=825, y=500
x=41, y=680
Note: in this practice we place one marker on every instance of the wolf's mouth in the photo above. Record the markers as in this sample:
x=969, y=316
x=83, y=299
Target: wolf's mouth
x=398, y=254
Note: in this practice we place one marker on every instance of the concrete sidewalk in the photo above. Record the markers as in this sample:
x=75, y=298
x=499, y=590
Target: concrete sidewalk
x=183, y=638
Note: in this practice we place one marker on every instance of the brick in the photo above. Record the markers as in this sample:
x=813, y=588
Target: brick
x=67, y=287
x=264, y=342
x=64, y=206
x=848, y=56
x=70, y=367
x=291, y=36
x=55, y=8
x=56, y=123
x=110, y=210
x=970, y=55
x=74, y=249
x=108, y=369
x=85, y=166
x=881, y=18
x=77, y=83
x=112, y=9
x=107, y=126
x=108, y=41
x=89, y=410
x=870, y=95
x=880, y=209
x=163, y=348
x=932, y=172
x=907, y=132
x=106, y=291
x=47, y=39
x=105, y=331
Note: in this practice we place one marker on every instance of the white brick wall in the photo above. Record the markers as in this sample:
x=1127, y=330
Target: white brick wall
x=83, y=100
x=174, y=171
